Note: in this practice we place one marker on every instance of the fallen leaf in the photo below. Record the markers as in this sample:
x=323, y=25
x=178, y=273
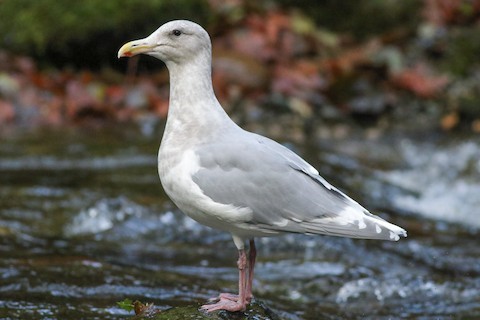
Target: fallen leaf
x=445, y=12
x=476, y=125
x=145, y=310
x=420, y=81
x=450, y=121
x=7, y=112
x=350, y=59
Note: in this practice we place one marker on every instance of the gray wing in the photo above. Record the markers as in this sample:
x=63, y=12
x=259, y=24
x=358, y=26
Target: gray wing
x=285, y=193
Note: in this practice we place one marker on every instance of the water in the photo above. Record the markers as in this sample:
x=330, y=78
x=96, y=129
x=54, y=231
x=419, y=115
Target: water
x=84, y=223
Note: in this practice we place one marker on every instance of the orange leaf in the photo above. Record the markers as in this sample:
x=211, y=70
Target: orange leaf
x=450, y=121
x=418, y=81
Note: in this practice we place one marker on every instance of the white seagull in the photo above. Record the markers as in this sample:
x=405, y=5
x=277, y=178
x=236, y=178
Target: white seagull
x=234, y=180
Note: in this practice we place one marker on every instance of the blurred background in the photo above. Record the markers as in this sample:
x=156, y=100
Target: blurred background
x=382, y=97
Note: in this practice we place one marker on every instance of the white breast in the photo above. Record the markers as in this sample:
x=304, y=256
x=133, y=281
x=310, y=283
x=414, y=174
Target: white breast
x=176, y=170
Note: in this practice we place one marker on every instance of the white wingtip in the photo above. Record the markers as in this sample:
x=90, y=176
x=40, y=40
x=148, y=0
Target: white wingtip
x=369, y=225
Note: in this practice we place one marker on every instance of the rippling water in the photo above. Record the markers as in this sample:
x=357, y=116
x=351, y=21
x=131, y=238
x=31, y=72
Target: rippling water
x=84, y=223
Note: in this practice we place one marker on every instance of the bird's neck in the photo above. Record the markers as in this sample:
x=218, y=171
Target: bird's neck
x=191, y=82
x=193, y=103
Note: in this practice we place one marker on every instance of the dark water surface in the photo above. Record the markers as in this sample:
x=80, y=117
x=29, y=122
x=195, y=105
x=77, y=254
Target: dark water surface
x=84, y=223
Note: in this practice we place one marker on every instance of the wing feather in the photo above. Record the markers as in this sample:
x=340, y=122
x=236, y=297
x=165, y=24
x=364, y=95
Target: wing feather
x=285, y=193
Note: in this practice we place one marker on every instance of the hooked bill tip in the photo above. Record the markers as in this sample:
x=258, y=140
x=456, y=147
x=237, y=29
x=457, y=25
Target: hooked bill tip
x=124, y=54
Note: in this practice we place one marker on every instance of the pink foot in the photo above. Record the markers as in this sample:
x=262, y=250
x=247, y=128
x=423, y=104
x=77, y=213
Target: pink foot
x=225, y=296
x=225, y=304
x=231, y=296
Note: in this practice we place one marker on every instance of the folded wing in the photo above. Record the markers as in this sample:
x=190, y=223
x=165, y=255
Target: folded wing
x=284, y=192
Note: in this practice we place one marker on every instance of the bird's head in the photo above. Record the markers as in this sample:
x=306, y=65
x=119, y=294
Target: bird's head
x=177, y=42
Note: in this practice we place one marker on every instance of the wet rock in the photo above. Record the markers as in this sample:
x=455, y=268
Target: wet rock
x=255, y=311
x=369, y=105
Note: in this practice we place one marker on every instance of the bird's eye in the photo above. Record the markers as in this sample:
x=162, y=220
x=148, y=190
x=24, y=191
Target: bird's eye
x=176, y=32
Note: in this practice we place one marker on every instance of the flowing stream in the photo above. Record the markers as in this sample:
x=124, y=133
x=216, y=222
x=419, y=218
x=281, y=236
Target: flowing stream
x=84, y=223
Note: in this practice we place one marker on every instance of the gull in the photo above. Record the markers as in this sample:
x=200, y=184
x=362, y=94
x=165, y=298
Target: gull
x=233, y=180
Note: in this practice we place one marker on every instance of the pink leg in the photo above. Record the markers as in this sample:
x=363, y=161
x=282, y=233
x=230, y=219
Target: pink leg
x=252, y=254
x=251, y=267
x=240, y=303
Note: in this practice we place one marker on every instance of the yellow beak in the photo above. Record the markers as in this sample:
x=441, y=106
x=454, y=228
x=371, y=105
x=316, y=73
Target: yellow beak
x=135, y=47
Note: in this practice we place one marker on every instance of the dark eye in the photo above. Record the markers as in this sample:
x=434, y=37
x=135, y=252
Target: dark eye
x=176, y=32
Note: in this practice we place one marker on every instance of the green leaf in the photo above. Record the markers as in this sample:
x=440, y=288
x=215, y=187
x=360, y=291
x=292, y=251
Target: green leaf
x=126, y=304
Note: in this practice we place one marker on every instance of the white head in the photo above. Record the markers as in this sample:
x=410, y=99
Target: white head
x=175, y=42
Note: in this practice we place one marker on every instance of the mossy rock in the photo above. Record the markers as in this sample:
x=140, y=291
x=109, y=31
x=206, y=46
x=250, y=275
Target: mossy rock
x=255, y=311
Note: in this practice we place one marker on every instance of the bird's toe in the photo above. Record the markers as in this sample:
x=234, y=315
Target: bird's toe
x=226, y=303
